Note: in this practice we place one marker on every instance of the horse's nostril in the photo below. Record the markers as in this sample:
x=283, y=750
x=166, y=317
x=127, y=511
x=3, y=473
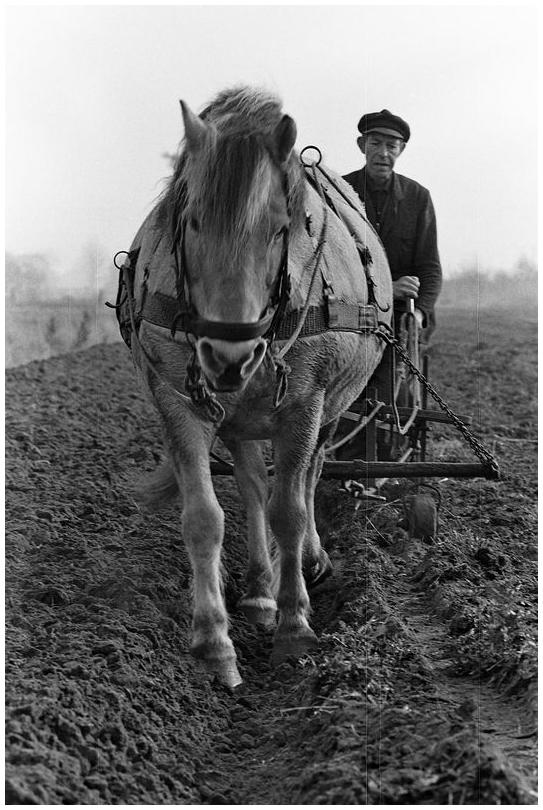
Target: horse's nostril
x=231, y=376
x=260, y=350
x=230, y=364
x=211, y=358
x=250, y=363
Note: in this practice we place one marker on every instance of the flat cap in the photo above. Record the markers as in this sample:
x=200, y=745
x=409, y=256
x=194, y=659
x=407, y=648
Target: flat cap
x=386, y=122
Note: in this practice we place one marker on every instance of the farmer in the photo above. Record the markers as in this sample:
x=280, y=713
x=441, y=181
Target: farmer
x=402, y=213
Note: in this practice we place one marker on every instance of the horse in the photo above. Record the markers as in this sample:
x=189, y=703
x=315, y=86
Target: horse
x=252, y=309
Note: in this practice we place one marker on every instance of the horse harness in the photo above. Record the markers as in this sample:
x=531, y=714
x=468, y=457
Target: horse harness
x=276, y=324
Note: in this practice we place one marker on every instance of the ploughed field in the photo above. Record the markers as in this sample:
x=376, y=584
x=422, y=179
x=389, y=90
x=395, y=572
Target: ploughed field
x=423, y=689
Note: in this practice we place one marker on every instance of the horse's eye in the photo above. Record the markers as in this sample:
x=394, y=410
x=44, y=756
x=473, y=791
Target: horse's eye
x=279, y=234
x=194, y=224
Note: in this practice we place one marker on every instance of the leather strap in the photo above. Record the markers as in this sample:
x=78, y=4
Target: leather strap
x=339, y=316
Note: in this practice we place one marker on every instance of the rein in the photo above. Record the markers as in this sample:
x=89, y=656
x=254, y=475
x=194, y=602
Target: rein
x=282, y=369
x=317, y=256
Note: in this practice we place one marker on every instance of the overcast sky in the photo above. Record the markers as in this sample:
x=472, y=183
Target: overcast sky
x=92, y=105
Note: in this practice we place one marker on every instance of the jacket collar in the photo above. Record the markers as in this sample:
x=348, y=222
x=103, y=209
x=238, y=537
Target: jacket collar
x=396, y=186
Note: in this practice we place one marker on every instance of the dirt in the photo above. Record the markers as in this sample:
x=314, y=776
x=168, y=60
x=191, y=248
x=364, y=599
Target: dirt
x=423, y=689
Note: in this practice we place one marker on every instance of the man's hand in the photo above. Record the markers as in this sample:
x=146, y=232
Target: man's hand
x=406, y=287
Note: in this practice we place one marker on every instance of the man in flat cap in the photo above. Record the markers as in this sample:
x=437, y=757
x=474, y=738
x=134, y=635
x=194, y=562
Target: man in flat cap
x=401, y=212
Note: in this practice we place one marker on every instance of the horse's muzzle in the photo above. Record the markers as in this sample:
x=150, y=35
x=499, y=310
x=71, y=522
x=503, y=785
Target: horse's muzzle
x=229, y=366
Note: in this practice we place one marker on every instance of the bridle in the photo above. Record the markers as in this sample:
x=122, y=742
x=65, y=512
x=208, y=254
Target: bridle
x=267, y=326
x=193, y=325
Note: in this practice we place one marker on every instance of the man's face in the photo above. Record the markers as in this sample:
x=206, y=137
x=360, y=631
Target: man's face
x=382, y=152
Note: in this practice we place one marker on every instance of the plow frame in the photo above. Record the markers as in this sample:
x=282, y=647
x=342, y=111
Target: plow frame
x=397, y=414
x=401, y=413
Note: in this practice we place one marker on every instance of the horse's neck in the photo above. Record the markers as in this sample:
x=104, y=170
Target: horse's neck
x=156, y=268
x=339, y=268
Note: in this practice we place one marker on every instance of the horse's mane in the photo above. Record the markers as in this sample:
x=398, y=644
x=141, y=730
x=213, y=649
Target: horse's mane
x=228, y=183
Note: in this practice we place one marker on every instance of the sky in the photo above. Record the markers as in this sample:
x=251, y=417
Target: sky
x=93, y=106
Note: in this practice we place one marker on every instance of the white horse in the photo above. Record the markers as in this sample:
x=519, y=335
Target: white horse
x=250, y=316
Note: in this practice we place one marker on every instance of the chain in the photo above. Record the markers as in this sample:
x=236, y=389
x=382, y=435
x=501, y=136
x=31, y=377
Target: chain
x=484, y=455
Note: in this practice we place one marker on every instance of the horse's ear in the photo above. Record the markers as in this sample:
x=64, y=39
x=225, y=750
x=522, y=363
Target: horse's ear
x=283, y=139
x=195, y=128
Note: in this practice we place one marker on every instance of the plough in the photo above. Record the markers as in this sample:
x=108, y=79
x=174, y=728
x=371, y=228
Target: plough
x=393, y=418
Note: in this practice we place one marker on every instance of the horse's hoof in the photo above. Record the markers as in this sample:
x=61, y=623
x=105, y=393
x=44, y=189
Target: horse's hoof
x=259, y=610
x=293, y=646
x=318, y=572
x=224, y=671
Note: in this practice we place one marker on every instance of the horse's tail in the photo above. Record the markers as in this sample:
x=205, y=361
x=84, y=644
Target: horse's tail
x=157, y=490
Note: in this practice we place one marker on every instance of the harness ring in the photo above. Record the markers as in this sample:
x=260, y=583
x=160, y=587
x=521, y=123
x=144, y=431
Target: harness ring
x=313, y=162
x=119, y=253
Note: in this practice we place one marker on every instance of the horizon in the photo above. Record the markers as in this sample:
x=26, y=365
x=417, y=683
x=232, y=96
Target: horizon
x=91, y=113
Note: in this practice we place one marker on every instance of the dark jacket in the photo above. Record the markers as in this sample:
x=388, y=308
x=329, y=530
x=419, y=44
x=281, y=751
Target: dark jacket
x=409, y=235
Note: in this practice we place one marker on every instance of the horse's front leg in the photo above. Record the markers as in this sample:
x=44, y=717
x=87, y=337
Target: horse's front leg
x=288, y=519
x=257, y=603
x=188, y=442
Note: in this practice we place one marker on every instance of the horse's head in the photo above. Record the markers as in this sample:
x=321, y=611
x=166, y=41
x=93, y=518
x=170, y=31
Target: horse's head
x=235, y=179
